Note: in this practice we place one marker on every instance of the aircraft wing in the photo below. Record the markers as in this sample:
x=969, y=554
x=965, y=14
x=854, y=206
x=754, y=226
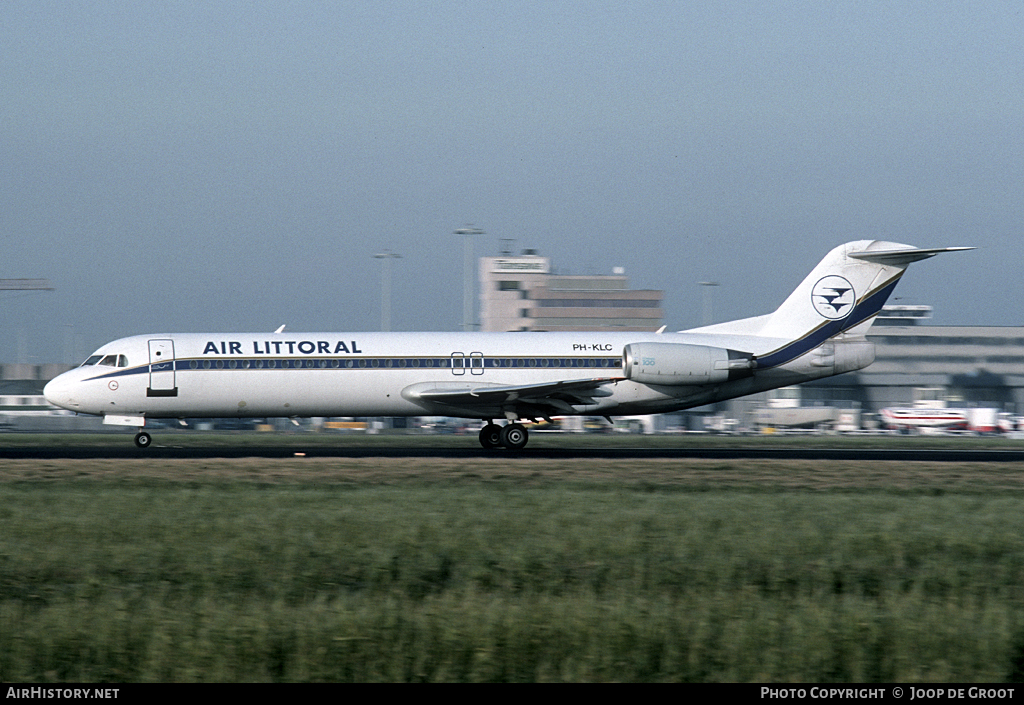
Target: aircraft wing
x=528, y=400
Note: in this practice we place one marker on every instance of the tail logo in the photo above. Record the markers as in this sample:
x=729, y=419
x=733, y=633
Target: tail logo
x=833, y=297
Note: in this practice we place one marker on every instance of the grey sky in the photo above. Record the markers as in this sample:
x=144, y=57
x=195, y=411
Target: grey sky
x=191, y=166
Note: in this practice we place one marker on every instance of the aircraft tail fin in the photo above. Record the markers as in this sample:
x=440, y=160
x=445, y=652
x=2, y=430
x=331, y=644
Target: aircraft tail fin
x=845, y=292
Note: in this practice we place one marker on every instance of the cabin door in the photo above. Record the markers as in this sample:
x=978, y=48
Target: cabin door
x=161, y=369
x=458, y=363
x=474, y=363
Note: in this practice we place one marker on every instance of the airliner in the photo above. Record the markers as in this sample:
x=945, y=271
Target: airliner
x=914, y=418
x=941, y=419
x=817, y=332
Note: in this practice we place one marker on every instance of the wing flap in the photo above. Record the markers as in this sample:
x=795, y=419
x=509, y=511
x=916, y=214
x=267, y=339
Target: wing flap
x=559, y=397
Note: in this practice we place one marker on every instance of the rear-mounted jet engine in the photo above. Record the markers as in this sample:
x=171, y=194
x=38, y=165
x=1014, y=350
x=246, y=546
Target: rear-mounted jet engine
x=684, y=364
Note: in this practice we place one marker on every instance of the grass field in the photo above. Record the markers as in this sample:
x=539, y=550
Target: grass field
x=512, y=569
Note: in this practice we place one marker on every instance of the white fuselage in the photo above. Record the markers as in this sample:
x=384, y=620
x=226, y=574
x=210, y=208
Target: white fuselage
x=376, y=374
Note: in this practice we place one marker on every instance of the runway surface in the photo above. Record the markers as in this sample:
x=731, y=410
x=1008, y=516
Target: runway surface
x=122, y=447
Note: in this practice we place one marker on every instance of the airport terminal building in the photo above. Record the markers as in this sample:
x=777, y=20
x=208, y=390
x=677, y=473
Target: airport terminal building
x=520, y=293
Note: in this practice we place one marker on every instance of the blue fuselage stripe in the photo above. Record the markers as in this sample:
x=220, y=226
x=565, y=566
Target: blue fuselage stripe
x=457, y=364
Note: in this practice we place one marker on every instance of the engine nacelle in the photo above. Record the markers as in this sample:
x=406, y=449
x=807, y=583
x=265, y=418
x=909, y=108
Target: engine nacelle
x=679, y=364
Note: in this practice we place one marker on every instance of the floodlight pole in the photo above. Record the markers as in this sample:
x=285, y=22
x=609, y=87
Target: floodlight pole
x=385, y=258
x=708, y=302
x=467, y=232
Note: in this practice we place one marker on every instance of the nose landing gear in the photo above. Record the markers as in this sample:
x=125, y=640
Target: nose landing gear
x=143, y=439
x=512, y=436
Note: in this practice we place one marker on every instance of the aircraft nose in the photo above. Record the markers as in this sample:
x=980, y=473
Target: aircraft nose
x=58, y=392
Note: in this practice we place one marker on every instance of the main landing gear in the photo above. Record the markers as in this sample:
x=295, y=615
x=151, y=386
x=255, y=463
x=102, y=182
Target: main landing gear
x=143, y=439
x=512, y=436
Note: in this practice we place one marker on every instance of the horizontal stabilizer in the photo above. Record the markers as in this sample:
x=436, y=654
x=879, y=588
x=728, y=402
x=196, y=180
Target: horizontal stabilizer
x=901, y=258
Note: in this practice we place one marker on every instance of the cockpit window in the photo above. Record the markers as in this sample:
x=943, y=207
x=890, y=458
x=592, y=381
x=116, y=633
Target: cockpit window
x=108, y=360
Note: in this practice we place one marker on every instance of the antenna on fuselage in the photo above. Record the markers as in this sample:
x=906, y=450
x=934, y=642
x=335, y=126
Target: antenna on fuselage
x=281, y=329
